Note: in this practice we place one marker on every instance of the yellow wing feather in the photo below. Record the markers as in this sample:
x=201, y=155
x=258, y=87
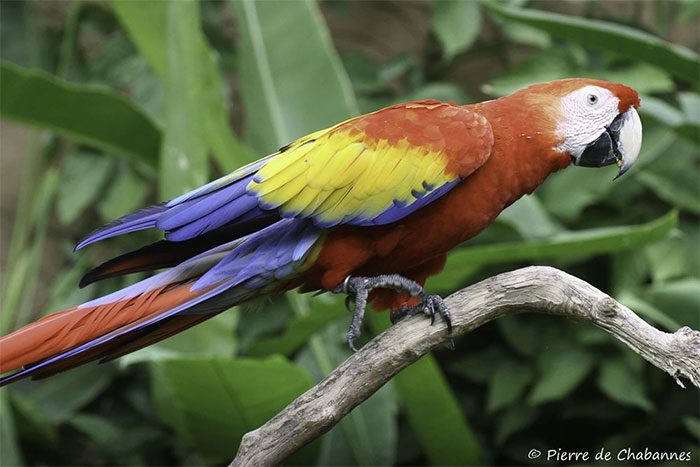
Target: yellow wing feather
x=335, y=175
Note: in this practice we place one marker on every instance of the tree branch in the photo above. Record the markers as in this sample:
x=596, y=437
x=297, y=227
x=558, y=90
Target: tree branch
x=539, y=289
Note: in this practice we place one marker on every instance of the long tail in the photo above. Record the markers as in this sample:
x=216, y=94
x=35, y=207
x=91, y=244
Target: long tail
x=160, y=306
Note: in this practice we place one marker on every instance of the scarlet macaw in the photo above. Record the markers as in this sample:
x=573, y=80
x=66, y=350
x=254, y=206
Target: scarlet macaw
x=369, y=207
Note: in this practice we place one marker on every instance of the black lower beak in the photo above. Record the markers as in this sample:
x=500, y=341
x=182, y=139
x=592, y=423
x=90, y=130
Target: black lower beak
x=604, y=150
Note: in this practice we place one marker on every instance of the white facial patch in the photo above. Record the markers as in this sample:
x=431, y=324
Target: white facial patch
x=585, y=114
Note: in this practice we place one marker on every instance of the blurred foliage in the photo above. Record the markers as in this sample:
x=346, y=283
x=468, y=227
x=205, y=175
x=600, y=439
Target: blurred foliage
x=128, y=96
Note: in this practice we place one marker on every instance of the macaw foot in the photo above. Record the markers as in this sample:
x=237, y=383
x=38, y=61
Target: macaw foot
x=429, y=305
x=358, y=289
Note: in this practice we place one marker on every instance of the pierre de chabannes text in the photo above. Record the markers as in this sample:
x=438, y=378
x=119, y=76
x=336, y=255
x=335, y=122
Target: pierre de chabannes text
x=625, y=454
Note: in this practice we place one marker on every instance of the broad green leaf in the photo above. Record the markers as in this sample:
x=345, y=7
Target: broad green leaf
x=183, y=156
x=630, y=271
x=515, y=419
x=28, y=416
x=147, y=25
x=618, y=38
x=63, y=292
x=125, y=194
x=680, y=188
x=642, y=77
x=433, y=410
x=478, y=366
x=19, y=292
x=67, y=393
x=214, y=402
x=673, y=182
x=83, y=178
x=545, y=66
x=561, y=372
x=292, y=79
x=678, y=299
x=523, y=34
x=690, y=104
x=146, y=22
x=693, y=426
x=457, y=24
x=299, y=329
x=529, y=218
x=622, y=384
x=661, y=111
x=531, y=335
x=104, y=433
x=89, y=114
x=677, y=256
x=462, y=262
x=10, y=453
x=507, y=384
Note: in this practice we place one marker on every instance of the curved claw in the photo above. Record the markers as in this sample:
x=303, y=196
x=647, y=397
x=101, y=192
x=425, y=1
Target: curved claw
x=430, y=305
x=349, y=300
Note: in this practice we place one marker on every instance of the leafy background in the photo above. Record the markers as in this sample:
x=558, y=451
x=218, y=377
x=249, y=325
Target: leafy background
x=108, y=106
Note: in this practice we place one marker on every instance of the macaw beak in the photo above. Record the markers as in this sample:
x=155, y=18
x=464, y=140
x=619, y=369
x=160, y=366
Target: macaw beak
x=618, y=144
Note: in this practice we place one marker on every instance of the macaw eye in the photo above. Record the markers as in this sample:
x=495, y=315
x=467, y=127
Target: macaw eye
x=592, y=99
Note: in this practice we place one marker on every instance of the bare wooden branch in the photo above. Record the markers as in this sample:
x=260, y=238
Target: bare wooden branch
x=538, y=289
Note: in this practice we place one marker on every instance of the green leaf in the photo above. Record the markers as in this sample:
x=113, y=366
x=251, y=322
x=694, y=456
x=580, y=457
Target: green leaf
x=433, y=410
x=529, y=218
x=89, y=114
x=457, y=24
x=679, y=299
x=462, y=262
x=184, y=164
x=10, y=454
x=692, y=424
x=104, y=433
x=83, y=178
x=299, y=329
x=147, y=24
x=67, y=393
x=292, y=79
x=515, y=419
x=544, y=66
x=618, y=38
x=677, y=256
x=561, y=372
x=661, y=111
x=215, y=401
x=507, y=384
x=642, y=77
x=478, y=366
x=622, y=384
x=125, y=194
x=679, y=187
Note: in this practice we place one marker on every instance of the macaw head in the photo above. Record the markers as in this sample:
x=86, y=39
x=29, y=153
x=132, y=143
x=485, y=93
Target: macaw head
x=598, y=124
